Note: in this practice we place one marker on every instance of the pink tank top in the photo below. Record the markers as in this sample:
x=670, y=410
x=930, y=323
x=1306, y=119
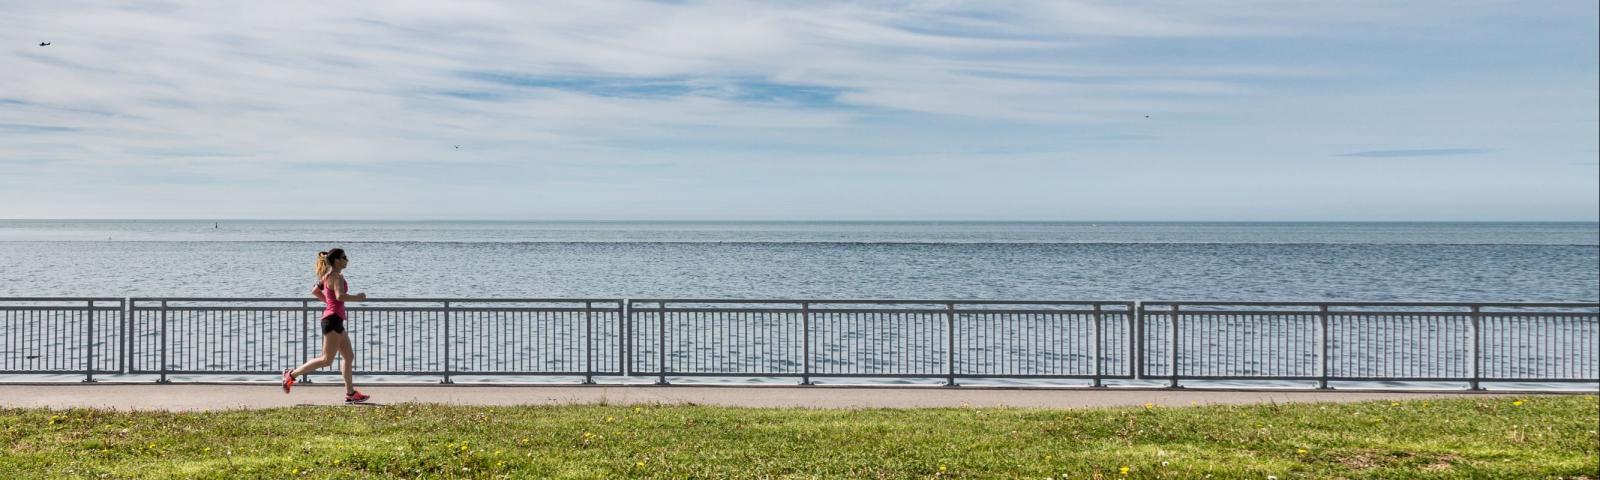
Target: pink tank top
x=335, y=307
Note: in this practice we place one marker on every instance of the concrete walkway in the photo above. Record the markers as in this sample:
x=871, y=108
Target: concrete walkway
x=189, y=397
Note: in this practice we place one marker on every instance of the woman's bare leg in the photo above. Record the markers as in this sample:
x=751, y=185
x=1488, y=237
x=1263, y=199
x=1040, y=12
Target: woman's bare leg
x=348, y=354
x=330, y=347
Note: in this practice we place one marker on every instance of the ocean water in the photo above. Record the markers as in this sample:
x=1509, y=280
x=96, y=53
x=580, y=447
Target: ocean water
x=1465, y=262
x=1487, y=262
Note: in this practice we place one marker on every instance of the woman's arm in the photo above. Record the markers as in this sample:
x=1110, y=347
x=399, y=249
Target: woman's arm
x=336, y=284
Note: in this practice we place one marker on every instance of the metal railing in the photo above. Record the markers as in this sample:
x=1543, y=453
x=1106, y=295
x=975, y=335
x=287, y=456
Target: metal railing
x=1371, y=341
x=881, y=338
x=948, y=340
x=63, y=335
x=444, y=337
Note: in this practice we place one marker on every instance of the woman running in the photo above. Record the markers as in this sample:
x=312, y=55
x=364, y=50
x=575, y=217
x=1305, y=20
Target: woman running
x=332, y=290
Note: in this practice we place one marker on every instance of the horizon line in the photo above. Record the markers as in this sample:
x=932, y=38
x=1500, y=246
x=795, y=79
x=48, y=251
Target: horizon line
x=714, y=220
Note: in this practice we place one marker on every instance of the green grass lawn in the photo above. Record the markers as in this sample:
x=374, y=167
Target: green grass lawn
x=1537, y=437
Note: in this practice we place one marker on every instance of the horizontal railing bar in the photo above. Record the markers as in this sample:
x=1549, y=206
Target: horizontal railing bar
x=1541, y=380
x=1484, y=315
x=381, y=300
x=60, y=299
x=227, y=309
x=785, y=375
x=1275, y=377
x=1113, y=313
x=51, y=308
x=1314, y=314
x=931, y=376
x=1298, y=313
x=1378, y=304
x=884, y=302
x=872, y=375
x=454, y=308
x=1440, y=379
x=597, y=373
x=420, y=373
x=827, y=301
x=1505, y=315
x=741, y=310
x=1107, y=313
x=76, y=371
x=378, y=309
x=1371, y=379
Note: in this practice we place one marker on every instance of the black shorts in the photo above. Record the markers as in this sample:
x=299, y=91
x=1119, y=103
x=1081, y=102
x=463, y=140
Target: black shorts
x=332, y=323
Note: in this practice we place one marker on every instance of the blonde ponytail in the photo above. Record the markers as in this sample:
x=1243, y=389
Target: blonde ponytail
x=322, y=265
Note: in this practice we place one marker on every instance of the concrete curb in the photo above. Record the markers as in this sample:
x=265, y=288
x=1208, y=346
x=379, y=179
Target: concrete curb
x=211, y=397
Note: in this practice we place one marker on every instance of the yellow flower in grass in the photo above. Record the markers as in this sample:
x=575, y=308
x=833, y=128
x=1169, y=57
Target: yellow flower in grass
x=1394, y=404
x=1517, y=403
x=1300, y=451
x=1123, y=470
x=941, y=468
x=1148, y=405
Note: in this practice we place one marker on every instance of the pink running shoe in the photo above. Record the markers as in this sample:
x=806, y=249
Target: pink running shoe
x=288, y=380
x=355, y=396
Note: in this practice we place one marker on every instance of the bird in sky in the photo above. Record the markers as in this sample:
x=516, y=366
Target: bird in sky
x=44, y=44
x=458, y=147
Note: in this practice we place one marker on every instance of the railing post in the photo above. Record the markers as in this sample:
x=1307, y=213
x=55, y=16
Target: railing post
x=163, y=368
x=1477, y=349
x=305, y=336
x=1174, y=382
x=588, y=343
x=950, y=345
x=124, y=331
x=805, y=343
x=446, y=344
x=661, y=343
x=1136, y=339
x=625, y=337
x=1322, y=349
x=88, y=346
x=1098, y=358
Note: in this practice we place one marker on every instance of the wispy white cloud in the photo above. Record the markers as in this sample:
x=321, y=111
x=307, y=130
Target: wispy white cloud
x=1417, y=152
x=220, y=95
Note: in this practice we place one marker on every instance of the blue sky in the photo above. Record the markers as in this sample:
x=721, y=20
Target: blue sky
x=940, y=110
